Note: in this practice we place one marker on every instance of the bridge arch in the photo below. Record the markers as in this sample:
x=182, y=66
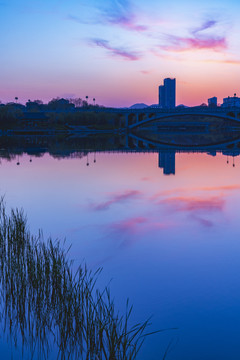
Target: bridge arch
x=231, y=114
x=136, y=117
x=151, y=115
x=231, y=146
x=168, y=116
x=132, y=119
x=119, y=120
x=142, y=117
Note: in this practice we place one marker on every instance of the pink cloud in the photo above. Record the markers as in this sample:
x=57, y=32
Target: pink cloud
x=117, y=198
x=198, y=39
x=180, y=44
x=161, y=194
x=128, y=23
x=128, y=229
x=197, y=207
x=140, y=223
x=172, y=192
x=225, y=61
x=146, y=178
x=195, y=204
x=145, y=72
x=121, y=13
x=209, y=43
x=123, y=53
x=222, y=188
x=129, y=225
x=124, y=231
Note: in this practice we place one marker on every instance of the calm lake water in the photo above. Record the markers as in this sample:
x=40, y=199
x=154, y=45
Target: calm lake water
x=169, y=243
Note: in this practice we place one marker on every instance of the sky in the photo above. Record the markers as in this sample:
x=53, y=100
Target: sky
x=119, y=51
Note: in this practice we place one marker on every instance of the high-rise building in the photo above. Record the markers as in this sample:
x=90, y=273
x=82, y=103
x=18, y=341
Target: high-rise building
x=167, y=94
x=162, y=96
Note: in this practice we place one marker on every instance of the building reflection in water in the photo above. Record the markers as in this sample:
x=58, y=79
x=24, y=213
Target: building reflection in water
x=80, y=146
x=166, y=161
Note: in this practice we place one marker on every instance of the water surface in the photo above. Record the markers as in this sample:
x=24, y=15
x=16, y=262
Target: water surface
x=168, y=242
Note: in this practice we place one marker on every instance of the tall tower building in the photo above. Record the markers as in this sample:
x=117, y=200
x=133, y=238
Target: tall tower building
x=167, y=94
x=162, y=96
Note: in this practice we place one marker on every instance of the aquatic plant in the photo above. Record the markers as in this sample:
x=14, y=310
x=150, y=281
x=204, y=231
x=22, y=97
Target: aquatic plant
x=45, y=305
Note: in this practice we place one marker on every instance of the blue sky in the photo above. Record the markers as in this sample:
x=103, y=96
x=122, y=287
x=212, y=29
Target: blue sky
x=118, y=51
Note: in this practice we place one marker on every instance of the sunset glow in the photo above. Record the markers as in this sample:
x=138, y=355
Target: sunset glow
x=119, y=51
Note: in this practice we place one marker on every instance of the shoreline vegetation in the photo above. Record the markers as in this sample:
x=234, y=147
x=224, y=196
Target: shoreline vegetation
x=46, y=307
x=59, y=115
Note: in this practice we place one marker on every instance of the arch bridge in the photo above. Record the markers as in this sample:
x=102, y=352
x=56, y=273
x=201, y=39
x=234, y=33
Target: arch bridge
x=137, y=117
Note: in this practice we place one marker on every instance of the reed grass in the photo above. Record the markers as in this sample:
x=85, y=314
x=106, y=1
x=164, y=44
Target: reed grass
x=45, y=305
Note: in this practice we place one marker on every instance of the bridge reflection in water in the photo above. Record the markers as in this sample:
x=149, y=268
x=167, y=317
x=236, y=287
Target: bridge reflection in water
x=186, y=130
x=166, y=159
x=166, y=144
x=212, y=257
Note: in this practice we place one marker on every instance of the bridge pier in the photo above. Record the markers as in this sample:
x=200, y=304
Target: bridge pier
x=133, y=117
x=126, y=141
x=126, y=121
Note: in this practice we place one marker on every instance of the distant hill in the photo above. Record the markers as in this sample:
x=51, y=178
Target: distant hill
x=182, y=106
x=142, y=106
x=154, y=106
x=138, y=106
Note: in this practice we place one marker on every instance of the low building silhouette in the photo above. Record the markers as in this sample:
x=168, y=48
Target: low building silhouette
x=212, y=102
x=231, y=101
